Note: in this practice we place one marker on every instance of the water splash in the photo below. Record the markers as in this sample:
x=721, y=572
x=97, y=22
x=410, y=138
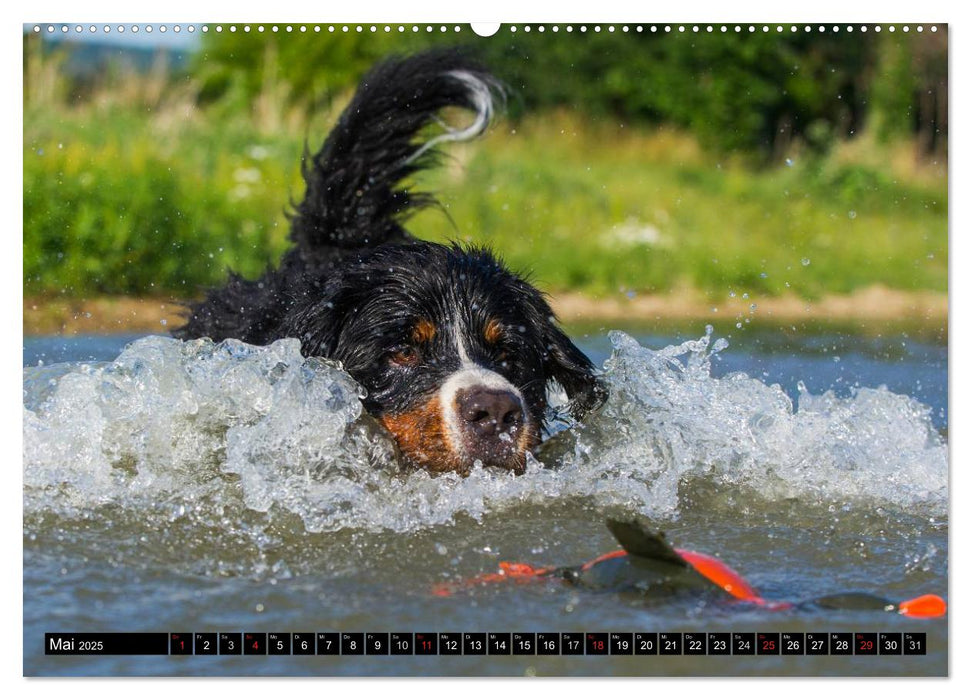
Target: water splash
x=228, y=433
x=668, y=419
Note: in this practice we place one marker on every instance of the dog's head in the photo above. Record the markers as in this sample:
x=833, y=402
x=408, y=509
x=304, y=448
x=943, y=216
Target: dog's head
x=455, y=351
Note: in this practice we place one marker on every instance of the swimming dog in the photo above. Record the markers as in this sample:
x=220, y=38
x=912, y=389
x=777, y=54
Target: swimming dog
x=456, y=352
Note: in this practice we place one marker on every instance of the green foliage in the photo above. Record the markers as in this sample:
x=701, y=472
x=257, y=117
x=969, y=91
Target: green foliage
x=117, y=216
x=158, y=189
x=311, y=68
x=610, y=212
x=893, y=88
x=756, y=93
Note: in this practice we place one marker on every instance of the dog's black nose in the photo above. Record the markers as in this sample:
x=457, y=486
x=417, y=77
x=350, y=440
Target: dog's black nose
x=490, y=412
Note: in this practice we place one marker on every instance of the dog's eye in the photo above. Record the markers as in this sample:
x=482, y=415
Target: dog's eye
x=404, y=356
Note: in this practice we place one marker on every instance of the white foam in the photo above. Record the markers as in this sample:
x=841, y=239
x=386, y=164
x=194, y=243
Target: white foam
x=230, y=430
x=667, y=419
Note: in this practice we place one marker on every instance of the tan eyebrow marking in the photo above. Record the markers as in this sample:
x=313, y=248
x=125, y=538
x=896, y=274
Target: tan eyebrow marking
x=493, y=331
x=424, y=331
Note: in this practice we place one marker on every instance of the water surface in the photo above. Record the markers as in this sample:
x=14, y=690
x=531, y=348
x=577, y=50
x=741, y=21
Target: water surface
x=197, y=487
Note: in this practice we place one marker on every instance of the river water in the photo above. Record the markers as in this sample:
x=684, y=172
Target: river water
x=193, y=487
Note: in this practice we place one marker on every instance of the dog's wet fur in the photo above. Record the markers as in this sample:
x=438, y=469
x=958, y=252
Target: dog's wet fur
x=455, y=351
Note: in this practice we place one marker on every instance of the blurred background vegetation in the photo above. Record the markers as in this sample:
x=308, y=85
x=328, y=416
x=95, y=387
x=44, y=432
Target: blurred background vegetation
x=770, y=163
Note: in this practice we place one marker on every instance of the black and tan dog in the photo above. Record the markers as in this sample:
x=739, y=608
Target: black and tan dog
x=455, y=351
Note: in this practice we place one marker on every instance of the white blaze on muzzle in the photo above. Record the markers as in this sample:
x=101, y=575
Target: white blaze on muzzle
x=470, y=376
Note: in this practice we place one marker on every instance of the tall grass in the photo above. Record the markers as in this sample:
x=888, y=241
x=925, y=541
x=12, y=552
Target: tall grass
x=137, y=190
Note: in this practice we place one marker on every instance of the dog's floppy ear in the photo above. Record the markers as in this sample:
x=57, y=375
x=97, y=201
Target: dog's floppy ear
x=562, y=360
x=565, y=363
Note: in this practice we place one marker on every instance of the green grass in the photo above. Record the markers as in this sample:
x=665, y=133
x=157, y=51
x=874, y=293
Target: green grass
x=128, y=199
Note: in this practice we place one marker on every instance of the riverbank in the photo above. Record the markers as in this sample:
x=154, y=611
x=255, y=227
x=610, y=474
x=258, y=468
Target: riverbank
x=872, y=305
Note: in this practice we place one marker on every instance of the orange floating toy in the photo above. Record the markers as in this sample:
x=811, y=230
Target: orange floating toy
x=647, y=564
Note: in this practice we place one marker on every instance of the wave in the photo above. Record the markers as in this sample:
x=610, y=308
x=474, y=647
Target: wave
x=228, y=429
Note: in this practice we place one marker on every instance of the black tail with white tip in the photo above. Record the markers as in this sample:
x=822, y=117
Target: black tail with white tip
x=354, y=196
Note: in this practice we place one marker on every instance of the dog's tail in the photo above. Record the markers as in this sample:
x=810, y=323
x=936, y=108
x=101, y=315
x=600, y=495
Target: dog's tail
x=354, y=194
